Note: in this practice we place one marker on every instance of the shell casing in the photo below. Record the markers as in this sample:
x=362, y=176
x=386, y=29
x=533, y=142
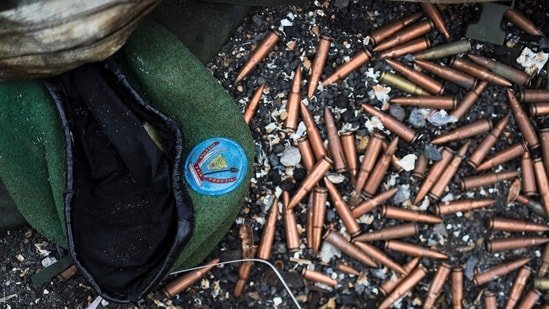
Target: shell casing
x=290, y=225
x=380, y=34
x=501, y=69
x=544, y=268
x=342, y=209
x=409, y=47
x=518, y=287
x=541, y=283
x=497, y=245
x=307, y=157
x=457, y=287
x=425, y=82
x=360, y=58
x=490, y=301
x=392, y=124
x=542, y=182
x=404, y=286
x=253, y=104
x=473, y=182
x=498, y=271
x=379, y=171
x=389, y=285
x=533, y=95
x=372, y=203
x=395, y=161
x=380, y=257
x=258, y=54
x=320, y=196
x=317, y=144
x=421, y=167
x=438, y=188
x=409, y=33
x=319, y=277
x=309, y=223
x=462, y=206
x=519, y=20
x=438, y=102
x=319, y=62
x=530, y=299
x=401, y=83
x=487, y=143
x=414, y=250
x=544, y=139
x=243, y=274
x=534, y=206
x=459, y=78
x=347, y=269
x=371, y=154
x=294, y=99
x=334, y=143
x=506, y=155
x=317, y=173
x=436, y=285
x=512, y=225
x=392, y=212
x=478, y=71
x=469, y=100
x=433, y=13
x=434, y=173
x=269, y=228
x=388, y=233
x=445, y=50
x=349, y=150
x=182, y=283
x=350, y=249
x=245, y=234
x=539, y=109
x=469, y=130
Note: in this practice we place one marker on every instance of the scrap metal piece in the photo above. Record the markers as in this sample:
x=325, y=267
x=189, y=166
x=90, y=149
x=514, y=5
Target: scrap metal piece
x=487, y=28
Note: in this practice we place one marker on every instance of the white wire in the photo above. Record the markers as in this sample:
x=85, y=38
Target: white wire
x=248, y=260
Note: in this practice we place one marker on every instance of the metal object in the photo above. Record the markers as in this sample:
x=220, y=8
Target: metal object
x=409, y=47
x=461, y=79
x=544, y=268
x=317, y=144
x=407, y=34
x=269, y=228
x=408, y=134
x=442, y=51
x=438, y=188
x=490, y=301
x=388, y=233
x=512, y=225
x=307, y=156
x=342, y=209
x=487, y=143
x=457, y=287
x=473, y=182
x=380, y=34
x=317, y=173
x=519, y=20
x=334, y=143
x=370, y=204
x=259, y=54
x=469, y=100
x=401, y=83
x=424, y=81
x=370, y=158
x=349, y=150
x=498, y=271
x=182, y=283
x=68, y=273
x=541, y=283
x=478, y=72
x=539, y=109
x=245, y=234
x=496, y=245
x=380, y=257
x=462, y=206
x=544, y=138
x=542, y=182
x=421, y=167
x=432, y=12
x=414, y=250
x=347, y=269
x=253, y=104
x=501, y=69
x=434, y=173
x=290, y=225
x=338, y=241
x=408, y=283
x=389, y=285
x=392, y=212
x=379, y=171
x=533, y=95
x=530, y=299
x=436, y=285
x=319, y=277
x=469, y=130
x=438, y=102
x=487, y=28
x=518, y=287
x=320, y=196
x=345, y=69
x=534, y=206
x=319, y=62
x=294, y=99
x=506, y=155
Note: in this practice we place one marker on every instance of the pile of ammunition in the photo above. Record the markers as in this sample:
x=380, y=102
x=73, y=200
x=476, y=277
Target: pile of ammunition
x=406, y=37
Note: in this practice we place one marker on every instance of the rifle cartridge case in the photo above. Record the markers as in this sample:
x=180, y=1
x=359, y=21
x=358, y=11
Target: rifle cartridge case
x=245, y=234
x=294, y=99
x=398, y=128
x=349, y=150
x=530, y=299
x=478, y=71
x=442, y=51
x=370, y=204
x=544, y=268
x=259, y=53
x=498, y=271
x=544, y=138
x=380, y=34
x=388, y=233
x=392, y=212
x=379, y=171
x=496, y=245
x=269, y=228
x=319, y=277
x=414, y=250
x=436, y=285
x=506, y=155
x=473, y=182
x=389, y=285
x=469, y=100
x=445, y=72
x=371, y=154
x=533, y=95
x=487, y=143
x=434, y=173
x=401, y=83
x=490, y=301
x=350, y=249
x=360, y=58
x=469, y=130
x=521, y=21
x=433, y=13
x=334, y=143
x=342, y=209
x=182, y=283
x=407, y=34
x=253, y=104
x=438, y=102
x=347, y=269
x=317, y=144
x=543, y=183
x=501, y=69
x=539, y=109
x=425, y=82
x=461, y=206
x=410, y=47
x=322, y=51
x=407, y=284
x=512, y=225
x=309, y=223
x=421, y=167
x=518, y=287
x=457, y=287
x=316, y=174
x=307, y=156
x=440, y=185
x=320, y=196
x=380, y=257
x=290, y=225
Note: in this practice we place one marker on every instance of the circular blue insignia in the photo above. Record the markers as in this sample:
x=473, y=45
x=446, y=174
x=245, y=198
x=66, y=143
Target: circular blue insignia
x=215, y=166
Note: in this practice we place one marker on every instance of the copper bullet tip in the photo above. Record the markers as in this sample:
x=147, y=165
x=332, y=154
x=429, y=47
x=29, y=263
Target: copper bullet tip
x=498, y=271
x=319, y=62
x=182, y=283
x=259, y=54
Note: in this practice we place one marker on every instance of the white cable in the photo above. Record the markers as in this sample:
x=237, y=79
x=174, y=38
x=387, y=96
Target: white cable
x=248, y=260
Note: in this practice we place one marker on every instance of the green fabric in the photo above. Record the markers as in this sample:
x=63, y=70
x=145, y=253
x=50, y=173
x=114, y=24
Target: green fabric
x=10, y=217
x=32, y=147
x=46, y=274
